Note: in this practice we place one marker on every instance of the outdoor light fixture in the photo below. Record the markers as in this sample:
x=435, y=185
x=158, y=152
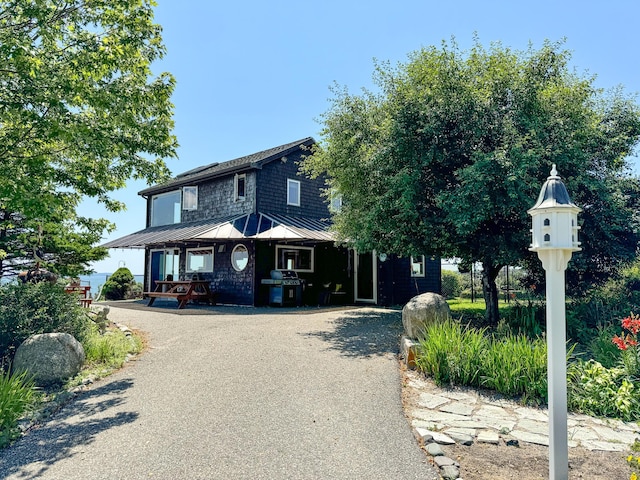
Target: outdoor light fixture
x=554, y=235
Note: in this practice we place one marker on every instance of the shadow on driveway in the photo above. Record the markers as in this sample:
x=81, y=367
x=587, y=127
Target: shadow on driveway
x=364, y=332
x=56, y=439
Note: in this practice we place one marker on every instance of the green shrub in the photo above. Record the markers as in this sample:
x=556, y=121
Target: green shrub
x=602, y=349
x=599, y=391
x=111, y=348
x=32, y=308
x=16, y=397
x=451, y=284
x=118, y=285
x=136, y=290
x=525, y=317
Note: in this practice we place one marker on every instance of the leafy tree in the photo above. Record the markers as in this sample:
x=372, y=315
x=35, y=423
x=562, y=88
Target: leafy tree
x=452, y=150
x=80, y=113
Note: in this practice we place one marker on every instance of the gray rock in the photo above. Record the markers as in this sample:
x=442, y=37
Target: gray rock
x=450, y=472
x=422, y=311
x=442, y=461
x=434, y=450
x=488, y=437
x=461, y=438
x=50, y=357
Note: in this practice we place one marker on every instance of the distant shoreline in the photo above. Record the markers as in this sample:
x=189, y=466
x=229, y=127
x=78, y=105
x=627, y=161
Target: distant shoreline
x=94, y=280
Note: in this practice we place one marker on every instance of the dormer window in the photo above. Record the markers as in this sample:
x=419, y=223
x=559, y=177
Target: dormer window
x=189, y=198
x=239, y=187
x=165, y=208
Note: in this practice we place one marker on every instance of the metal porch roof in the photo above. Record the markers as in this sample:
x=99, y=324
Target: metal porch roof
x=261, y=226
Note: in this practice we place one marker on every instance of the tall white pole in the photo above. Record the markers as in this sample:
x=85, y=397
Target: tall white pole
x=555, y=263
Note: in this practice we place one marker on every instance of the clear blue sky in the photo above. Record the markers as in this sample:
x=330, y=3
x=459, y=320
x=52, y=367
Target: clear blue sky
x=252, y=75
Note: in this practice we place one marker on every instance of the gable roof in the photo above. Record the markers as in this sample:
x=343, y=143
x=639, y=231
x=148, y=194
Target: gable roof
x=213, y=170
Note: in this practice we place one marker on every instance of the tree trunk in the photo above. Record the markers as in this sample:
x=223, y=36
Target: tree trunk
x=490, y=291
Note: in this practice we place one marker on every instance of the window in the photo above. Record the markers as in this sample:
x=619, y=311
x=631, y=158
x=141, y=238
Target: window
x=299, y=259
x=189, y=198
x=165, y=208
x=293, y=192
x=417, y=266
x=239, y=187
x=239, y=257
x=335, y=204
x=199, y=260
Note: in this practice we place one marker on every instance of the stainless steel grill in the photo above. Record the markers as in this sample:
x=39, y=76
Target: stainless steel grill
x=285, y=288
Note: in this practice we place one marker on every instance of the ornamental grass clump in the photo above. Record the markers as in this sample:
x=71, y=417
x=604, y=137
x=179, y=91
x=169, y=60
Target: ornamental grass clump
x=110, y=350
x=17, y=395
x=452, y=354
x=516, y=365
x=455, y=355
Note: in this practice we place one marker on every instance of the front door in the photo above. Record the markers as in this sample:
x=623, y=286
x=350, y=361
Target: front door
x=163, y=263
x=366, y=277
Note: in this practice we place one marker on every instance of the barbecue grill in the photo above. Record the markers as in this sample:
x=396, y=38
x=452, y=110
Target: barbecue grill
x=285, y=288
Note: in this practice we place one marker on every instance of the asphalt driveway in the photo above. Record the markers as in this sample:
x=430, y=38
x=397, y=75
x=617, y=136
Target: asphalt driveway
x=232, y=393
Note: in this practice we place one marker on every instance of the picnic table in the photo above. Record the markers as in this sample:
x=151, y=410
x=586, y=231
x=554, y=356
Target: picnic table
x=83, y=292
x=183, y=291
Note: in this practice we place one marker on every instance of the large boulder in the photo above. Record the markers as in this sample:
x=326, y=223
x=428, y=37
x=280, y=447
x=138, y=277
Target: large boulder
x=50, y=357
x=422, y=311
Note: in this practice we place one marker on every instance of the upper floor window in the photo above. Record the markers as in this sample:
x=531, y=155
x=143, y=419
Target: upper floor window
x=165, y=208
x=335, y=204
x=239, y=187
x=189, y=198
x=199, y=260
x=417, y=266
x=293, y=192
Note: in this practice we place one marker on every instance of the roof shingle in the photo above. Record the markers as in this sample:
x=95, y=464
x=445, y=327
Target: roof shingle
x=205, y=172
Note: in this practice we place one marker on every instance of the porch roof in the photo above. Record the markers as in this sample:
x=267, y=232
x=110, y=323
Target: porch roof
x=260, y=226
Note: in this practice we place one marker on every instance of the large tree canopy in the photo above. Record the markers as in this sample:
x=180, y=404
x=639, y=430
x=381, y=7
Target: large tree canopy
x=452, y=150
x=80, y=113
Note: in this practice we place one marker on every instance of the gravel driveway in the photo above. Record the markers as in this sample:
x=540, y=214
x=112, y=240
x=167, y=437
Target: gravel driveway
x=237, y=393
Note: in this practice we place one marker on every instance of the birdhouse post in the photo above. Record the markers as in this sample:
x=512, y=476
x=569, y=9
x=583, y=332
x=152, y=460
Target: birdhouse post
x=555, y=237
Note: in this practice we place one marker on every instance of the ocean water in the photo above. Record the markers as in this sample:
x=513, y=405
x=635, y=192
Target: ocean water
x=96, y=280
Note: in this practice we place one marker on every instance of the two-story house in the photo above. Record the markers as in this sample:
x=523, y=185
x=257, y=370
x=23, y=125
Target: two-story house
x=234, y=222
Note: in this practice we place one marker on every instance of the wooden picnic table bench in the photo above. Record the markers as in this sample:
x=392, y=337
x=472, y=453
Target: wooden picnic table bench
x=82, y=292
x=183, y=291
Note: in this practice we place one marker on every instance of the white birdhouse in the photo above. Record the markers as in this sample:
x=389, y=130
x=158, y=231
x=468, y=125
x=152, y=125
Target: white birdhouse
x=554, y=218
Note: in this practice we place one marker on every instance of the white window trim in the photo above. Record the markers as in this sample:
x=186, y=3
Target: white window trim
x=153, y=197
x=424, y=266
x=233, y=265
x=289, y=199
x=236, y=197
x=292, y=247
x=335, y=201
x=184, y=206
x=186, y=262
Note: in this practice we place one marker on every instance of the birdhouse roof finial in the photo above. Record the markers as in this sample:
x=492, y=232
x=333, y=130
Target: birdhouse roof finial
x=553, y=193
